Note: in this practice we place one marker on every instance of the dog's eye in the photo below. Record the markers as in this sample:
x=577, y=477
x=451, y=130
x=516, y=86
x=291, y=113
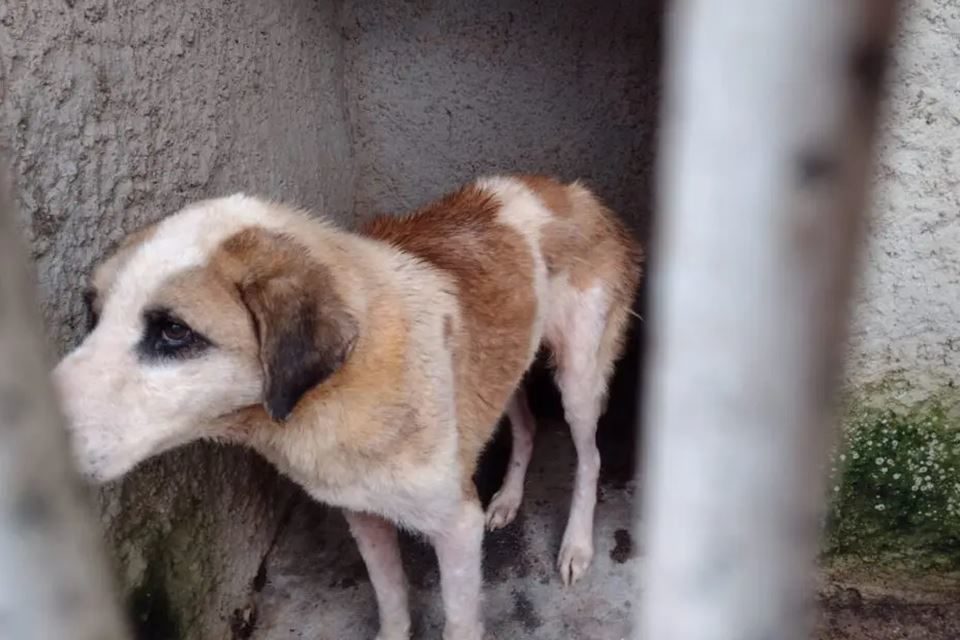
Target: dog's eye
x=175, y=333
x=166, y=336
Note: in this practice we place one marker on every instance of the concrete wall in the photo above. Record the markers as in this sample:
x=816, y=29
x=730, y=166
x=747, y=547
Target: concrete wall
x=441, y=92
x=908, y=318
x=116, y=113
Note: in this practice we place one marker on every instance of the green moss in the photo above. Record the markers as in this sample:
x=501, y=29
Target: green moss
x=167, y=599
x=895, y=488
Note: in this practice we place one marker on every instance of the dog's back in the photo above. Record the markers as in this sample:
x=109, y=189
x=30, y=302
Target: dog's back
x=534, y=261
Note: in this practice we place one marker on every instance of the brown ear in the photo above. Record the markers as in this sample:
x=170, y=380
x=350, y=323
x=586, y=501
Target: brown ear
x=304, y=328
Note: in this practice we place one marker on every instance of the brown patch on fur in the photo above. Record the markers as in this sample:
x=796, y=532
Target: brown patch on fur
x=493, y=268
x=551, y=192
x=589, y=245
x=304, y=330
x=209, y=303
x=587, y=241
x=363, y=406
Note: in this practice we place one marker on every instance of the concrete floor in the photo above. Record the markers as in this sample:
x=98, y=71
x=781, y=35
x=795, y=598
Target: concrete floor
x=314, y=585
x=317, y=589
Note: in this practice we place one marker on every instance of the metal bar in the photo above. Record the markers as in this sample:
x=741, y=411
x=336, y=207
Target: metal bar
x=769, y=118
x=54, y=584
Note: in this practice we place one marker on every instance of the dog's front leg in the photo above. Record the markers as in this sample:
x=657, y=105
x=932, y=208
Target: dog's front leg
x=459, y=553
x=377, y=539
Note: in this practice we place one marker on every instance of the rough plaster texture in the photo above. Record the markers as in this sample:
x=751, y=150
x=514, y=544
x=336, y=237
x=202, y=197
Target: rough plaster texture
x=908, y=318
x=116, y=113
x=440, y=92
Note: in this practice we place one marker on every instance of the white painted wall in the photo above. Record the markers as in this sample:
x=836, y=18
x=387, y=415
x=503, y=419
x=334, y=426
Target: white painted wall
x=908, y=315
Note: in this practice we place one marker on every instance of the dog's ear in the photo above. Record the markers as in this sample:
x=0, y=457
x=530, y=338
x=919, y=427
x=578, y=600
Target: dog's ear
x=305, y=331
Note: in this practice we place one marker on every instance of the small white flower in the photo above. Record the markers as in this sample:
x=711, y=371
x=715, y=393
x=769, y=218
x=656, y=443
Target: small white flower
x=896, y=476
x=880, y=507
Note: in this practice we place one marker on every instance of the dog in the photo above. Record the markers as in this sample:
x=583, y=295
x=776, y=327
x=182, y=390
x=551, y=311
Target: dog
x=370, y=367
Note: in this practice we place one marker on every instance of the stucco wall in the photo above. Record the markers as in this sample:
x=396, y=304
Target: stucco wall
x=908, y=318
x=116, y=113
x=440, y=92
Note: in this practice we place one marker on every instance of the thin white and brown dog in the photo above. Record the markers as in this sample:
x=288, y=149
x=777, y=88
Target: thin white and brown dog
x=371, y=368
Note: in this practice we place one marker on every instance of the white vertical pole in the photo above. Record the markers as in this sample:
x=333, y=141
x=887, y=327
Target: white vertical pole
x=769, y=115
x=53, y=579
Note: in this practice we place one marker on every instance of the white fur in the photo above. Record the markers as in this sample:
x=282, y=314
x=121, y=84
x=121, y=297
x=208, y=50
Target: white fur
x=576, y=328
x=524, y=212
x=458, y=549
x=505, y=504
x=377, y=541
x=122, y=412
x=572, y=322
x=425, y=498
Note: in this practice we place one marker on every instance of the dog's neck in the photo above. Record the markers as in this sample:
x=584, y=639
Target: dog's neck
x=319, y=441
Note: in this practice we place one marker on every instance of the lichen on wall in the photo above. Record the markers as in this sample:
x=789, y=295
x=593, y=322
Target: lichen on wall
x=115, y=114
x=898, y=498
x=894, y=490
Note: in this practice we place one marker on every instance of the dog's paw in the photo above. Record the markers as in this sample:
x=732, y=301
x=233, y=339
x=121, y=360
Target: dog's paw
x=574, y=560
x=461, y=632
x=396, y=632
x=503, y=509
x=393, y=635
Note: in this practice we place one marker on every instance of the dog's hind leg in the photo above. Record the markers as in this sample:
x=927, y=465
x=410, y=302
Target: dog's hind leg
x=586, y=340
x=523, y=427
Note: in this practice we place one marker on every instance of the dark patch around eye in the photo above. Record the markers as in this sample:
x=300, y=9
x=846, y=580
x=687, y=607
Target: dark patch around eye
x=166, y=337
x=90, y=306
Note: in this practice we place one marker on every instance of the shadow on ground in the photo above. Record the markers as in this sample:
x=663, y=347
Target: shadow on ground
x=316, y=586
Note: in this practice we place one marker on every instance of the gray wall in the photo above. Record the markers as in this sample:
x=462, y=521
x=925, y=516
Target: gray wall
x=440, y=92
x=117, y=113
x=907, y=336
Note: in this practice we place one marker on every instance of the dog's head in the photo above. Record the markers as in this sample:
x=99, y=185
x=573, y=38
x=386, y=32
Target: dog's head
x=212, y=311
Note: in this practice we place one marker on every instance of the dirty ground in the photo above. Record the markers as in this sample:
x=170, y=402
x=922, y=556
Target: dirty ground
x=316, y=588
